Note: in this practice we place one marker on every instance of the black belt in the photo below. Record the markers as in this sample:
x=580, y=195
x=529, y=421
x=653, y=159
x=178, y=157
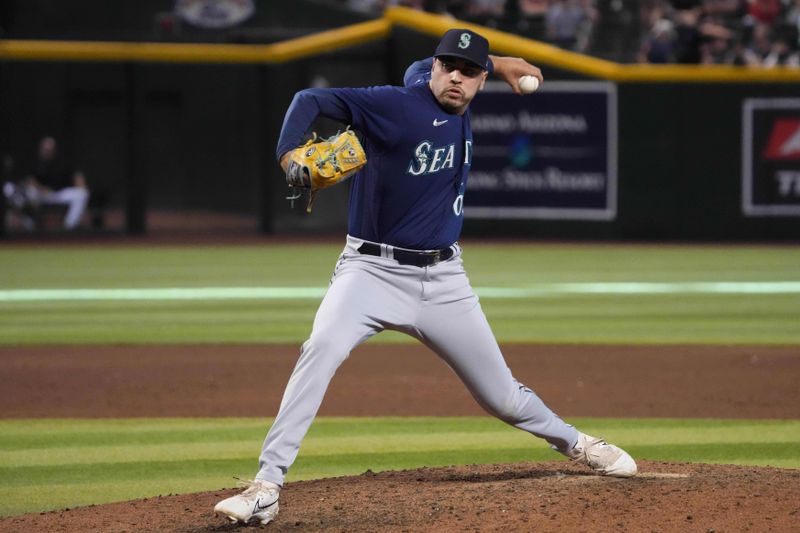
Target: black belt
x=409, y=257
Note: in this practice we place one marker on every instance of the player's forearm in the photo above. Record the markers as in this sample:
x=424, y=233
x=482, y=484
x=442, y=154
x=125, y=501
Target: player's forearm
x=511, y=69
x=298, y=119
x=306, y=106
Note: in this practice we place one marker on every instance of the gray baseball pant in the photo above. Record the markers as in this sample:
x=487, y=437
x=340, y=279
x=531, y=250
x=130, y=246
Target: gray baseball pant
x=433, y=304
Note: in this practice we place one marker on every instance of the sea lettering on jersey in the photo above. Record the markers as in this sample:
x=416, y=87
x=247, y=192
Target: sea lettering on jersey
x=429, y=159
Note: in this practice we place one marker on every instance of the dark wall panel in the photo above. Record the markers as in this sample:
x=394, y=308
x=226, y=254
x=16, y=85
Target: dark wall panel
x=203, y=137
x=162, y=155
x=680, y=162
x=95, y=134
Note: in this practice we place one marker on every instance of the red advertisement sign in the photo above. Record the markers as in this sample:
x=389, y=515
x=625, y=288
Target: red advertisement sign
x=771, y=157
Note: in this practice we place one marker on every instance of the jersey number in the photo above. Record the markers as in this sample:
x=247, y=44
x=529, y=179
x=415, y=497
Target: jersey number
x=458, y=205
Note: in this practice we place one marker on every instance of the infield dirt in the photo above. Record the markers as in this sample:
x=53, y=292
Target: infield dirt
x=398, y=380
x=646, y=381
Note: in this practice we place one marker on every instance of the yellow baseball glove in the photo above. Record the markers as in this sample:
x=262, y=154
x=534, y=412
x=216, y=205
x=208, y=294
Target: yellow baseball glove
x=320, y=164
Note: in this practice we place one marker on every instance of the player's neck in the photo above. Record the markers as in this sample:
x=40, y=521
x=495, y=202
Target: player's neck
x=446, y=108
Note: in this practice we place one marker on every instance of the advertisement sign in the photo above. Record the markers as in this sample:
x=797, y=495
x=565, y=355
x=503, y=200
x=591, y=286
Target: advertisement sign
x=549, y=155
x=771, y=157
x=214, y=14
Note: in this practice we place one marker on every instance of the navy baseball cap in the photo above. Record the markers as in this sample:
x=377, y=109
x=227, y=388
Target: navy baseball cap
x=465, y=44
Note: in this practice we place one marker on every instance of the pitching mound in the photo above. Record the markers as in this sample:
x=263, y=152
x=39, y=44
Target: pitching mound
x=554, y=496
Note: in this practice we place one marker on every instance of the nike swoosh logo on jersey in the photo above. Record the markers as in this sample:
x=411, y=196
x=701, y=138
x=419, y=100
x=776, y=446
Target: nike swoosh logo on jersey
x=437, y=123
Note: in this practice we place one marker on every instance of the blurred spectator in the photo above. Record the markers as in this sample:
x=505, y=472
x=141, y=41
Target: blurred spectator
x=731, y=11
x=715, y=51
x=658, y=46
x=716, y=40
x=569, y=23
x=435, y=6
x=486, y=8
x=686, y=5
x=736, y=53
x=763, y=11
x=52, y=183
x=652, y=11
x=18, y=208
x=781, y=54
x=366, y=6
x=759, y=46
x=792, y=20
x=413, y=4
x=586, y=30
x=533, y=8
x=733, y=32
x=687, y=36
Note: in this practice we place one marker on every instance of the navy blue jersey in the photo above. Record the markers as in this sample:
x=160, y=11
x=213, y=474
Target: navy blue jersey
x=411, y=192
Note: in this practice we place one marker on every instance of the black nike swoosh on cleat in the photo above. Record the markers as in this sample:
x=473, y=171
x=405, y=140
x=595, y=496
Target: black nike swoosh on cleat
x=258, y=507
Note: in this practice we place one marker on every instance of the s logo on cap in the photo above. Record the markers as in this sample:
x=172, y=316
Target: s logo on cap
x=465, y=38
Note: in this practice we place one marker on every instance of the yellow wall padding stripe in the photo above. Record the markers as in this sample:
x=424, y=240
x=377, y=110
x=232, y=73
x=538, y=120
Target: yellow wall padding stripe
x=117, y=51
x=328, y=41
x=705, y=74
x=315, y=44
x=504, y=43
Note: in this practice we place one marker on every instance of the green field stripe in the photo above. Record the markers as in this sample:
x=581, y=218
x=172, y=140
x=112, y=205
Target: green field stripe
x=34, y=441
x=79, y=474
x=316, y=293
x=637, y=288
x=192, y=428
x=95, y=460
x=132, y=426
x=322, y=446
x=348, y=432
x=120, y=454
x=173, y=293
x=266, y=293
x=69, y=453
x=330, y=436
x=56, y=495
x=752, y=453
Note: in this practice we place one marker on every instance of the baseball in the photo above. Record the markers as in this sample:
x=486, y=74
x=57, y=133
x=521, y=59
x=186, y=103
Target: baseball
x=528, y=84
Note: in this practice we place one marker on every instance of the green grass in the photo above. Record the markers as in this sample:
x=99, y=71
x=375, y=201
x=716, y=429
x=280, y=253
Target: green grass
x=589, y=318
x=51, y=464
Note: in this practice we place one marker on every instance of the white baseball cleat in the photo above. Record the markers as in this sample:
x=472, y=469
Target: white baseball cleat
x=602, y=457
x=258, y=501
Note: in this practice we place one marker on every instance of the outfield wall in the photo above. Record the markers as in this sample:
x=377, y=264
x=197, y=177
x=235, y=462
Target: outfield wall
x=683, y=170
x=194, y=128
x=680, y=172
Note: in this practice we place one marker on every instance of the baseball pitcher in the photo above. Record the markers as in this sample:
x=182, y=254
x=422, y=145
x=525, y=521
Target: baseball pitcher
x=401, y=267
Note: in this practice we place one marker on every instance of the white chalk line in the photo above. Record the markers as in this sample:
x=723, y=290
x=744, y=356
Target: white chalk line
x=316, y=293
x=640, y=475
x=662, y=475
